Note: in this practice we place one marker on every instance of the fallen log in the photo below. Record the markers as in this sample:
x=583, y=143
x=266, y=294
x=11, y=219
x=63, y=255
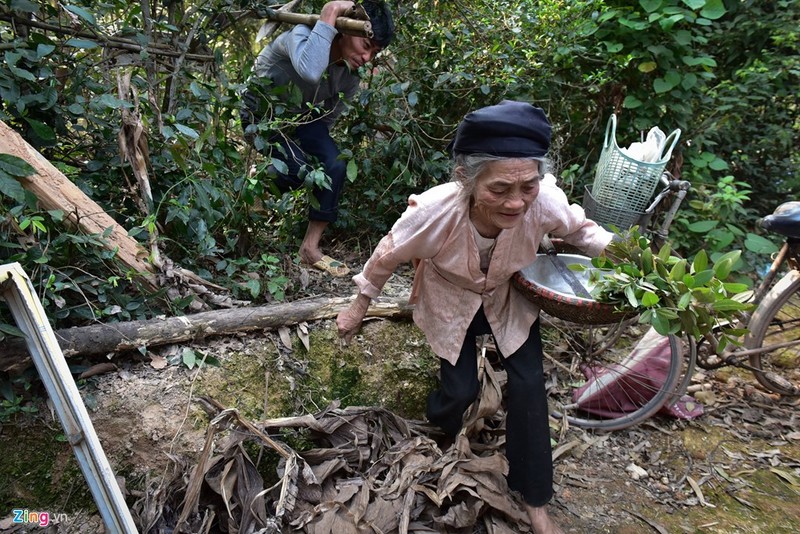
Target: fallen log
x=101, y=339
x=55, y=191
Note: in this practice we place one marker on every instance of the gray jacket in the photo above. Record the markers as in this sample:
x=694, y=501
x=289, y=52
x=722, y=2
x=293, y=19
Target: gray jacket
x=301, y=57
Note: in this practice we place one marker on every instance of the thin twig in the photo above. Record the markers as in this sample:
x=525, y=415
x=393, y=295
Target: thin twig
x=106, y=41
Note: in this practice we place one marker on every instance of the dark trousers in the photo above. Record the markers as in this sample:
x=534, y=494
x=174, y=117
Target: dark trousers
x=311, y=143
x=528, y=449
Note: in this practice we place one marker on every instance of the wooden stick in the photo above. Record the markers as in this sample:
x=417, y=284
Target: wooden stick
x=349, y=26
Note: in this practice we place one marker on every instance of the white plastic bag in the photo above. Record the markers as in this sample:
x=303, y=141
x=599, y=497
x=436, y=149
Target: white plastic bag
x=650, y=150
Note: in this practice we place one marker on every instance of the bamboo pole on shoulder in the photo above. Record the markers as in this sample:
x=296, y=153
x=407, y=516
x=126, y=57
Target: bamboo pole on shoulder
x=346, y=25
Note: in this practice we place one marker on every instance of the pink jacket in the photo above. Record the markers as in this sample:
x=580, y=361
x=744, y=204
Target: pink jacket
x=449, y=287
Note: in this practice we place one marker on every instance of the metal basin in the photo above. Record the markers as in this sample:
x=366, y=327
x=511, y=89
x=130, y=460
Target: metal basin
x=542, y=283
x=544, y=273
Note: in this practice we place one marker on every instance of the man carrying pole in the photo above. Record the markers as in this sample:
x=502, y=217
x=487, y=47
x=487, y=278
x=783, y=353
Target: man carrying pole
x=323, y=65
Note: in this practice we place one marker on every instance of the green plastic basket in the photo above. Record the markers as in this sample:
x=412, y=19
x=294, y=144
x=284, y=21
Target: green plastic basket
x=622, y=182
x=606, y=217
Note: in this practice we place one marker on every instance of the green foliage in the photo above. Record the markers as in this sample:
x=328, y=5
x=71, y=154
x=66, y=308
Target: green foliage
x=11, y=168
x=672, y=294
x=191, y=359
x=7, y=330
x=62, y=263
x=723, y=72
x=752, y=112
x=59, y=88
x=656, y=49
x=260, y=275
x=15, y=397
x=714, y=224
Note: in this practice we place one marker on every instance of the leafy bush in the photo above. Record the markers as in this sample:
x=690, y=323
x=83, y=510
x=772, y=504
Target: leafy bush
x=714, y=224
x=673, y=295
x=722, y=72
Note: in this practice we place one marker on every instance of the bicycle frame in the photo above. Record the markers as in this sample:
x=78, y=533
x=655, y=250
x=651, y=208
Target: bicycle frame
x=788, y=254
x=678, y=189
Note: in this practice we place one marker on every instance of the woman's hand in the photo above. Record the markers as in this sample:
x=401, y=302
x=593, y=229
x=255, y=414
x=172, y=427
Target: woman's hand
x=332, y=10
x=349, y=320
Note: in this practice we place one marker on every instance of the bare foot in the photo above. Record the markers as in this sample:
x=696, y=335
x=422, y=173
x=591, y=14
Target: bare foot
x=541, y=521
x=309, y=249
x=309, y=256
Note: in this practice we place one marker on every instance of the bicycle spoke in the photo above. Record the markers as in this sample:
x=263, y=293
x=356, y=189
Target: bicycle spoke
x=598, y=380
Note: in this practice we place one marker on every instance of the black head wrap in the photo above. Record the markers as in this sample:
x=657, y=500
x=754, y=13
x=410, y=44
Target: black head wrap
x=509, y=129
x=382, y=23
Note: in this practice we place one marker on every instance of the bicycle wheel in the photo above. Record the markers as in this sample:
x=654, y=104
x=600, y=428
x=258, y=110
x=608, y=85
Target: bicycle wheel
x=775, y=328
x=609, y=378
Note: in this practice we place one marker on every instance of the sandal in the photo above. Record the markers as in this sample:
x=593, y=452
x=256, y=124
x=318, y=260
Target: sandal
x=331, y=266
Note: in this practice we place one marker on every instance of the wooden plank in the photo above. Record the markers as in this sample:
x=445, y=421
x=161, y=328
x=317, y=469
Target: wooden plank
x=16, y=289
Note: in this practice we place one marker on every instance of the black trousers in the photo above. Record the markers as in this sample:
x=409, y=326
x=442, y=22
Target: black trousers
x=528, y=448
x=311, y=143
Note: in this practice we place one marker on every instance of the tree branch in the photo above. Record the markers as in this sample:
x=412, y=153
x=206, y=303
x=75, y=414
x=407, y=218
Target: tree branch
x=106, y=41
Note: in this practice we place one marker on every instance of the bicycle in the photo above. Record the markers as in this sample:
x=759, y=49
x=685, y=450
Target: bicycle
x=629, y=376
x=771, y=349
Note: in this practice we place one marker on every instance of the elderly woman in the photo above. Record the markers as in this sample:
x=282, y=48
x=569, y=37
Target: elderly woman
x=466, y=239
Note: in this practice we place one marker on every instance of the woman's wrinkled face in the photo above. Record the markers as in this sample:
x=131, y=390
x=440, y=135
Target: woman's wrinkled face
x=503, y=193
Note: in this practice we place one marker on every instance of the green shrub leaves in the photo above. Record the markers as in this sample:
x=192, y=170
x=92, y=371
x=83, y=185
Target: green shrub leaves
x=672, y=294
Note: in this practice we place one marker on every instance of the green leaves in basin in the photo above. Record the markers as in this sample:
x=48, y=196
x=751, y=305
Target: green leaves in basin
x=672, y=294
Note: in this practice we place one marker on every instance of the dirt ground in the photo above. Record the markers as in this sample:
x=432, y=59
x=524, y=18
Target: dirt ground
x=736, y=469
